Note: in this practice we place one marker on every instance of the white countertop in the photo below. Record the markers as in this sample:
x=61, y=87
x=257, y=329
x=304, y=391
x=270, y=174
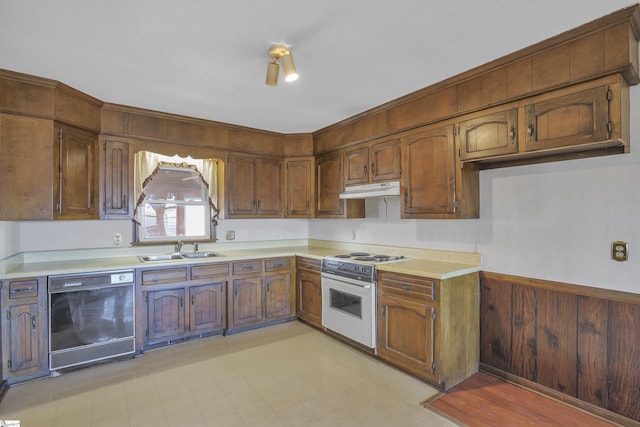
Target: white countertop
x=422, y=262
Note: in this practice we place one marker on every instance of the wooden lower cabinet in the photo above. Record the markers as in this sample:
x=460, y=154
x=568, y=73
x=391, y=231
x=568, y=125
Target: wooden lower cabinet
x=165, y=314
x=24, y=329
x=429, y=327
x=182, y=303
x=260, y=293
x=309, y=291
x=245, y=297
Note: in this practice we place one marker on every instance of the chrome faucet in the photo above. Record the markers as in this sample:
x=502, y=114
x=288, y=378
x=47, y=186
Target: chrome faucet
x=180, y=244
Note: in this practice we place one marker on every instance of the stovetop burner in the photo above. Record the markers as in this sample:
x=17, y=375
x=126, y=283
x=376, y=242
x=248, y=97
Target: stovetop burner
x=366, y=258
x=357, y=254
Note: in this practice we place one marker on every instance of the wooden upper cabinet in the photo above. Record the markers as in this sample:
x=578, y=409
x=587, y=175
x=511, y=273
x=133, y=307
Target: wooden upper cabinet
x=116, y=203
x=429, y=172
x=434, y=183
x=26, y=168
x=489, y=135
x=384, y=160
x=254, y=187
x=299, y=187
x=356, y=166
x=569, y=120
x=75, y=159
x=329, y=185
x=269, y=187
x=374, y=162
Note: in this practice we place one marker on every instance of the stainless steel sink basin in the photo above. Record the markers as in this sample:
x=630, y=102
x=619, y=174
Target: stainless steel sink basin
x=167, y=257
x=201, y=254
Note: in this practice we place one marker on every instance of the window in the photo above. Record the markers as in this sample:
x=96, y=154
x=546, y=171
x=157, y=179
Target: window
x=174, y=198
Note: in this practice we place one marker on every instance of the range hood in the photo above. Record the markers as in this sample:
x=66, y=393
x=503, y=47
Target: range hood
x=381, y=189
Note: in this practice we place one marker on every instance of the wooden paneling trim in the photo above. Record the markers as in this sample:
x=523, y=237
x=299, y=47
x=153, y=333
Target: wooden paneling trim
x=125, y=121
x=588, y=291
x=605, y=46
x=579, y=341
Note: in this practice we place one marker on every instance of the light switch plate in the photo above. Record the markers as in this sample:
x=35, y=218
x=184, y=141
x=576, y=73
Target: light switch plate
x=620, y=251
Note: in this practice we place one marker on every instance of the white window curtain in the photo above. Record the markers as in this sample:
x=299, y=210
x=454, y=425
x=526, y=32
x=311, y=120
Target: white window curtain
x=146, y=163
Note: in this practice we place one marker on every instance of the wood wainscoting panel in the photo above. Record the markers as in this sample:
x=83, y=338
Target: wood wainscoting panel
x=592, y=350
x=573, y=342
x=624, y=359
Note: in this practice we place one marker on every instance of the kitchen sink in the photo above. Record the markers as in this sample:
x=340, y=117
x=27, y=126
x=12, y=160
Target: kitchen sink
x=201, y=254
x=169, y=257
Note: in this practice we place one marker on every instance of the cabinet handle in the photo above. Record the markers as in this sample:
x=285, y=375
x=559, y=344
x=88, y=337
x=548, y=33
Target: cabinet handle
x=530, y=130
x=373, y=168
x=33, y=323
x=181, y=302
x=512, y=133
x=258, y=203
x=247, y=267
x=384, y=311
x=21, y=290
x=278, y=265
x=268, y=287
x=433, y=340
x=124, y=202
x=365, y=169
x=192, y=300
x=406, y=287
x=406, y=198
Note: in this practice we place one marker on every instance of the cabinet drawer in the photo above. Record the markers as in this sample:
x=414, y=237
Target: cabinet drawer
x=416, y=288
x=165, y=275
x=23, y=289
x=277, y=264
x=308, y=264
x=211, y=270
x=247, y=267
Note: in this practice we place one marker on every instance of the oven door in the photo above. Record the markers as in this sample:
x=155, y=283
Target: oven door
x=348, y=308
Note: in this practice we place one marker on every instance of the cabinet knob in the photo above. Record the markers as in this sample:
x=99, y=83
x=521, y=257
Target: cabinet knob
x=373, y=168
x=365, y=169
x=406, y=287
x=33, y=322
x=512, y=133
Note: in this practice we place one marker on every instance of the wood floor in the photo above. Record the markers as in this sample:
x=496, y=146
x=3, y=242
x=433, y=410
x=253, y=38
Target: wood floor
x=483, y=400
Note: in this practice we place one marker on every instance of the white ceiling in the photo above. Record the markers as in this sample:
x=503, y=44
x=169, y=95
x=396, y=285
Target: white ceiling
x=208, y=58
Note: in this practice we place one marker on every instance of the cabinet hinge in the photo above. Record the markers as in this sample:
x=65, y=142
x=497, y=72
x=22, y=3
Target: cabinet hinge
x=104, y=146
x=9, y=364
x=60, y=135
x=609, y=129
x=8, y=315
x=456, y=129
x=609, y=94
x=434, y=316
x=146, y=333
x=433, y=367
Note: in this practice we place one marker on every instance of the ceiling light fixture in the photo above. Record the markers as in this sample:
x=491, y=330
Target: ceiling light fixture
x=279, y=52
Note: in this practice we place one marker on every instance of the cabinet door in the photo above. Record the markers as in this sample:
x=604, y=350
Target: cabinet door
x=299, y=188
x=309, y=297
x=406, y=334
x=242, y=178
x=246, y=302
x=574, y=119
x=329, y=185
x=278, y=301
x=429, y=173
x=206, y=310
x=268, y=185
x=26, y=168
x=76, y=163
x=24, y=349
x=356, y=166
x=489, y=135
x=165, y=311
x=385, y=161
x=116, y=179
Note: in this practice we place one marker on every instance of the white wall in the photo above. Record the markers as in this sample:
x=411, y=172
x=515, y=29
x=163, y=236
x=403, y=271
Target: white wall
x=9, y=239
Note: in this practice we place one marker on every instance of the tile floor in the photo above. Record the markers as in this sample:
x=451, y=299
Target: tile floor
x=283, y=375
